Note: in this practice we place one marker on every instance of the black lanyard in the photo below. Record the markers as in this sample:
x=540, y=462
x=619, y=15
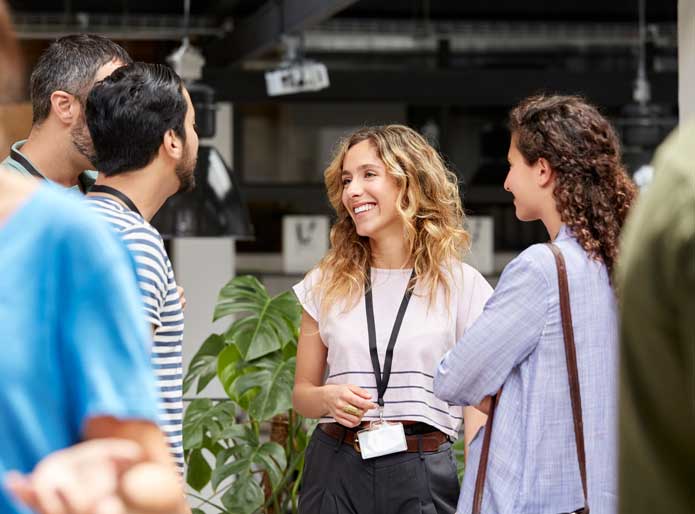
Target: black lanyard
x=26, y=164
x=383, y=382
x=115, y=192
x=36, y=173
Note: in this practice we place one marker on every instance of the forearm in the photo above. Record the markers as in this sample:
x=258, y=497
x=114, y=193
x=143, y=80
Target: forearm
x=458, y=384
x=158, y=467
x=473, y=421
x=309, y=400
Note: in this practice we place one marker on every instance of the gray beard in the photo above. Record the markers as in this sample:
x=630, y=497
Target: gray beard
x=83, y=143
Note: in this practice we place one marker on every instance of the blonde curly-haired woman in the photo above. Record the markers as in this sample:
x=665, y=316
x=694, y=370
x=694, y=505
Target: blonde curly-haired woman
x=387, y=301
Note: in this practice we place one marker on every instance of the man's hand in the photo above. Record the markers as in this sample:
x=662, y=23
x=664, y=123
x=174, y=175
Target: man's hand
x=182, y=297
x=100, y=476
x=81, y=479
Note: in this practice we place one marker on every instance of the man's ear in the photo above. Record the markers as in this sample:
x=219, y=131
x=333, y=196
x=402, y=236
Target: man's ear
x=65, y=106
x=545, y=174
x=173, y=145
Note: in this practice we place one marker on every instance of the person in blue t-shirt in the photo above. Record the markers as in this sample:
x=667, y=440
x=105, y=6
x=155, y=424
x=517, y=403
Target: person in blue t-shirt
x=75, y=362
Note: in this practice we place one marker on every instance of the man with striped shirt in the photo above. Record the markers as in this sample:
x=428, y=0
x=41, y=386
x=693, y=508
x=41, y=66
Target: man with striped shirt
x=141, y=121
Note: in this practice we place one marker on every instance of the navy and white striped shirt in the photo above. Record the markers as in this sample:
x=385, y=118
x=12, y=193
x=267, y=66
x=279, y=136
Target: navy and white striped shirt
x=162, y=309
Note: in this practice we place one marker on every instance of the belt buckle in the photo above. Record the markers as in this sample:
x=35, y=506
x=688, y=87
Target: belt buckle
x=356, y=444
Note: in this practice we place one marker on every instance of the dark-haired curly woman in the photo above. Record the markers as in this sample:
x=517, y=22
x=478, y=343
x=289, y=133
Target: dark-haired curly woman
x=564, y=169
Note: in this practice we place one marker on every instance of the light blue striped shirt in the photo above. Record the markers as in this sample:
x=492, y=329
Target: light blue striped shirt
x=517, y=343
x=162, y=309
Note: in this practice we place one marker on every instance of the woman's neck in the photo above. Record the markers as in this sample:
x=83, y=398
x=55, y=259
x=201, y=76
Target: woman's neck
x=552, y=222
x=549, y=214
x=390, y=252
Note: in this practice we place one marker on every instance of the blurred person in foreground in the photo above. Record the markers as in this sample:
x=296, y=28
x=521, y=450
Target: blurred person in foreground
x=75, y=364
x=657, y=379
x=145, y=148
x=58, y=148
x=75, y=360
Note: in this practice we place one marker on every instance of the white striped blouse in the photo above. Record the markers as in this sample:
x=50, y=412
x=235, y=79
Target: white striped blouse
x=425, y=336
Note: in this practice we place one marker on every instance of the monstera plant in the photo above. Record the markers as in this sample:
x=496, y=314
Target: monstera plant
x=248, y=448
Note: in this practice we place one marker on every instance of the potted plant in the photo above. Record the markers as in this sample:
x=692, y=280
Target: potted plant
x=250, y=447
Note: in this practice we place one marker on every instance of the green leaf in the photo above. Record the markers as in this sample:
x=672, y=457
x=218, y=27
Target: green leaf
x=274, y=461
x=252, y=338
x=198, y=472
x=197, y=511
x=269, y=384
x=245, y=496
x=268, y=323
x=240, y=434
x=203, y=366
x=202, y=418
x=269, y=457
x=290, y=350
x=240, y=294
x=457, y=448
x=262, y=387
x=194, y=422
x=214, y=447
x=229, y=365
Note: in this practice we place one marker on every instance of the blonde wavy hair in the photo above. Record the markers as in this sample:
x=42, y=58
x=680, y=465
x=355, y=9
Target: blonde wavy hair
x=428, y=203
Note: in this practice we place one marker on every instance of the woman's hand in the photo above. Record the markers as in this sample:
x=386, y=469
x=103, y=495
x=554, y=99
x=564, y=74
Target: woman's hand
x=485, y=405
x=347, y=404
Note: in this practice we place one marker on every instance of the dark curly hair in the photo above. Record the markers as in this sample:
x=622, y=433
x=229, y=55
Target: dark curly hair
x=593, y=192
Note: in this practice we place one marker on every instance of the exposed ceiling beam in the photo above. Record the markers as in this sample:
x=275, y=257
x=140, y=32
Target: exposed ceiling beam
x=472, y=88
x=263, y=29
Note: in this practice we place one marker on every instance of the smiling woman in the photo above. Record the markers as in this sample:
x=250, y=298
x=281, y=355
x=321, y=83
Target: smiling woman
x=398, y=239
x=417, y=201
x=370, y=194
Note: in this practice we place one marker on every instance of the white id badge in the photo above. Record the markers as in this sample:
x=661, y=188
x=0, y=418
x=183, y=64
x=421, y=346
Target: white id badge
x=382, y=438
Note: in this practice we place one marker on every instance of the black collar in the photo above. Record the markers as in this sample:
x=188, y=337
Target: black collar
x=118, y=194
x=26, y=164
x=85, y=182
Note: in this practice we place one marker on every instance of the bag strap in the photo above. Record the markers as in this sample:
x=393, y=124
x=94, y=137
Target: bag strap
x=575, y=396
x=572, y=372
x=482, y=465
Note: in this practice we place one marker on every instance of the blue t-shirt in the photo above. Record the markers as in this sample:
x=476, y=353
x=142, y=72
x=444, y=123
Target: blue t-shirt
x=73, y=340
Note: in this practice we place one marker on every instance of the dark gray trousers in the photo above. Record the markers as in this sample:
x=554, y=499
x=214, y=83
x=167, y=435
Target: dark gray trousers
x=338, y=481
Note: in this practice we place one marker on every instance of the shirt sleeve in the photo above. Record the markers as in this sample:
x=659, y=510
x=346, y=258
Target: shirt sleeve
x=103, y=338
x=150, y=266
x=307, y=294
x=503, y=336
x=476, y=292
